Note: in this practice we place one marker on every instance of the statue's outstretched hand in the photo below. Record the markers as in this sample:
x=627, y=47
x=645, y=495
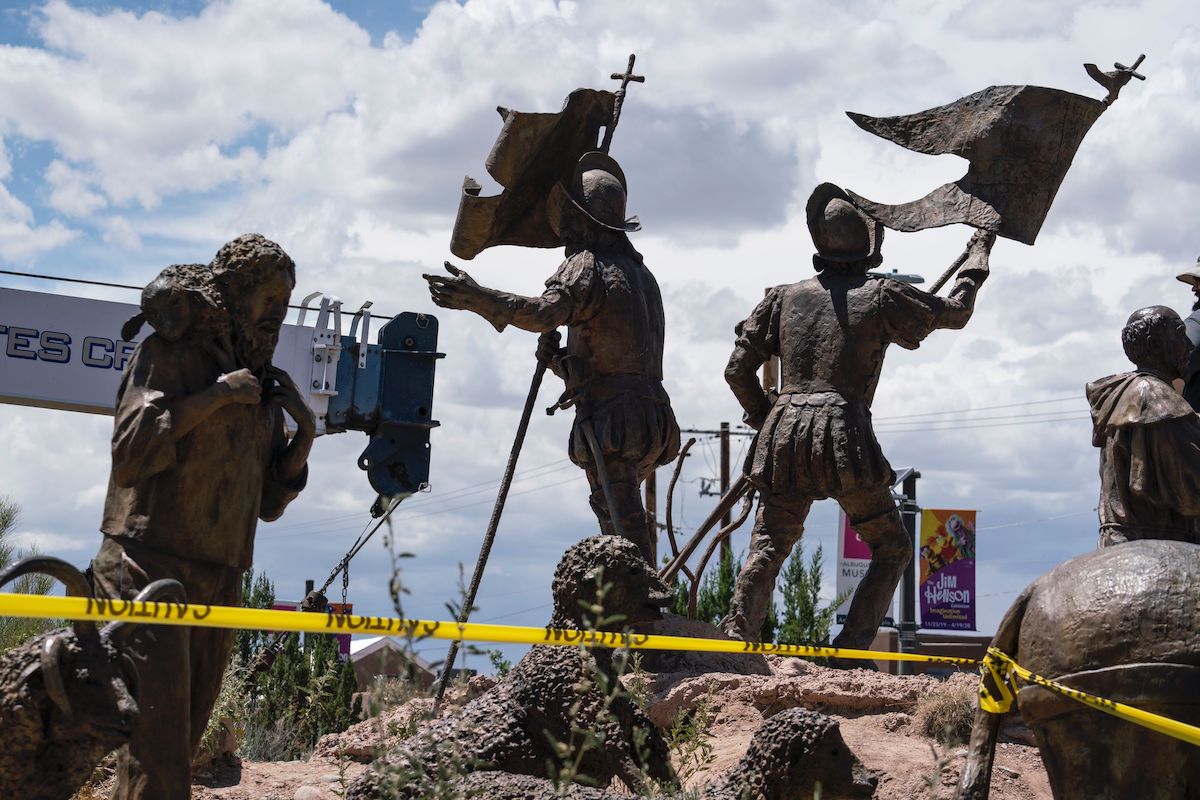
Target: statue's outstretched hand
x=459, y=290
x=456, y=290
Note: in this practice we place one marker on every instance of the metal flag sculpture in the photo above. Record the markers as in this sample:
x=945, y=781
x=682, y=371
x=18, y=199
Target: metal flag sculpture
x=1019, y=140
x=532, y=153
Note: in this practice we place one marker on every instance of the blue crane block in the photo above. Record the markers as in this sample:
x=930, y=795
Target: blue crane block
x=390, y=397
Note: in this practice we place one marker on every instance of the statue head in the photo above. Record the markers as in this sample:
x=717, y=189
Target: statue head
x=1155, y=339
x=612, y=566
x=843, y=234
x=594, y=199
x=182, y=300
x=255, y=278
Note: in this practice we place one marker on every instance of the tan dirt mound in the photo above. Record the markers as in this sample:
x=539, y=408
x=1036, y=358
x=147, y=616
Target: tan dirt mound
x=875, y=711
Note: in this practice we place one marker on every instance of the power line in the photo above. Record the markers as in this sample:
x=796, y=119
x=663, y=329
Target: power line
x=986, y=419
x=462, y=491
x=407, y=517
x=958, y=427
x=515, y=613
x=980, y=408
x=111, y=285
x=1035, y=521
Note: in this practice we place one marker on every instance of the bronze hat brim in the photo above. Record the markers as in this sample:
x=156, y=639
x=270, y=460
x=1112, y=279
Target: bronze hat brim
x=602, y=161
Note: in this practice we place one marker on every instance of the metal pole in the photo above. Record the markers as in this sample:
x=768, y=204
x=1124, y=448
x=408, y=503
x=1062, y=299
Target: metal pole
x=652, y=513
x=908, y=586
x=726, y=518
x=468, y=602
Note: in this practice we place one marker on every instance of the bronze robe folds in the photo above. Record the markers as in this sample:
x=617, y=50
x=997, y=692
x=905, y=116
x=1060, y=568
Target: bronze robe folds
x=185, y=509
x=1149, y=440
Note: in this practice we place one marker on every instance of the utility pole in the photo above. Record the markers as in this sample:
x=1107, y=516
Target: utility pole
x=910, y=511
x=726, y=546
x=651, y=491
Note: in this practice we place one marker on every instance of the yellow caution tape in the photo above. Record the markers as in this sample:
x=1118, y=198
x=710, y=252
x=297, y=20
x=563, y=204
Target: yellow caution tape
x=998, y=666
x=1004, y=672
x=193, y=614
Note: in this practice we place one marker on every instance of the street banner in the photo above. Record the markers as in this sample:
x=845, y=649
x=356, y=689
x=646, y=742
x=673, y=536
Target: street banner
x=947, y=587
x=854, y=556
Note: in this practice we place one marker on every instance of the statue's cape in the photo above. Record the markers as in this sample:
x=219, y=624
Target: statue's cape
x=532, y=153
x=1129, y=399
x=1019, y=140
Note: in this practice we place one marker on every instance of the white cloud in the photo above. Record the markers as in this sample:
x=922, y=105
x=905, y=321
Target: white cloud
x=70, y=190
x=120, y=232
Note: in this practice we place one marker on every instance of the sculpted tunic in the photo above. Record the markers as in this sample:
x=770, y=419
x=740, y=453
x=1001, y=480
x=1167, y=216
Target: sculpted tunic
x=199, y=497
x=1149, y=440
x=831, y=333
x=613, y=363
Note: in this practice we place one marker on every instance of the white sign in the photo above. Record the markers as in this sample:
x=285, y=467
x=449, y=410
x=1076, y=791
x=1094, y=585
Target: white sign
x=64, y=352
x=854, y=557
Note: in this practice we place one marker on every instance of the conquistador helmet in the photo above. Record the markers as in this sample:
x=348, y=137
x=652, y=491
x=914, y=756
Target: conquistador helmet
x=840, y=231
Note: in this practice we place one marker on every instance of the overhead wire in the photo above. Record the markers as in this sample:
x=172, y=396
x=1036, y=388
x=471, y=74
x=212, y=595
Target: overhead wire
x=462, y=491
x=111, y=285
x=408, y=517
x=990, y=425
x=980, y=408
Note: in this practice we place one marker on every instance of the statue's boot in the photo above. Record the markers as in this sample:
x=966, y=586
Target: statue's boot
x=891, y=553
x=778, y=525
x=626, y=488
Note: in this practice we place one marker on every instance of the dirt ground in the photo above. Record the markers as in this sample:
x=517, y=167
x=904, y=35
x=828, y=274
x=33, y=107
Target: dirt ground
x=876, y=712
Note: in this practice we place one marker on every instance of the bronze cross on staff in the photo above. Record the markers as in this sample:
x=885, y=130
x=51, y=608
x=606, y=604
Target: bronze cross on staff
x=625, y=78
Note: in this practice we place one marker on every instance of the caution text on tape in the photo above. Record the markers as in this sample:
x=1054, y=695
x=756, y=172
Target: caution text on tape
x=193, y=614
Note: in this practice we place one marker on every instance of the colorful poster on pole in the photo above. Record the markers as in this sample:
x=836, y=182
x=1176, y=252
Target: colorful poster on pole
x=947, y=587
x=854, y=556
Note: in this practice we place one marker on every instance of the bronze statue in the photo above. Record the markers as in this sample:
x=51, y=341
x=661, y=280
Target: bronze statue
x=1119, y=623
x=518, y=724
x=815, y=440
x=1149, y=436
x=1191, y=378
x=68, y=697
x=199, y=455
x=612, y=364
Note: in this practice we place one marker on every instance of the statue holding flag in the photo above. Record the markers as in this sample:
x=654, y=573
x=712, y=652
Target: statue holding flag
x=815, y=440
x=831, y=332
x=560, y=190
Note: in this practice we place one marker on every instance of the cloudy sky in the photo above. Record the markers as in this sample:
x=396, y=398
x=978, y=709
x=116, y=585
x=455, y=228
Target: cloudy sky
x=141, y=134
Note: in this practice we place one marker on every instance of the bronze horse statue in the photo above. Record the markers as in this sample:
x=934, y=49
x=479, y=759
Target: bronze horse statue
x=1121, y=623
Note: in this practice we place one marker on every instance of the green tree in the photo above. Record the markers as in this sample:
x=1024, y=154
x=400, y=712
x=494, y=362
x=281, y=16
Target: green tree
x=15, y=630
x=305, y=693
x=257, y=592
x=716, y=594
x=804, y=621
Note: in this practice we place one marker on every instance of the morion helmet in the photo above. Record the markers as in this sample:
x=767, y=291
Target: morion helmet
x=598, y=189
x=840, y=231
